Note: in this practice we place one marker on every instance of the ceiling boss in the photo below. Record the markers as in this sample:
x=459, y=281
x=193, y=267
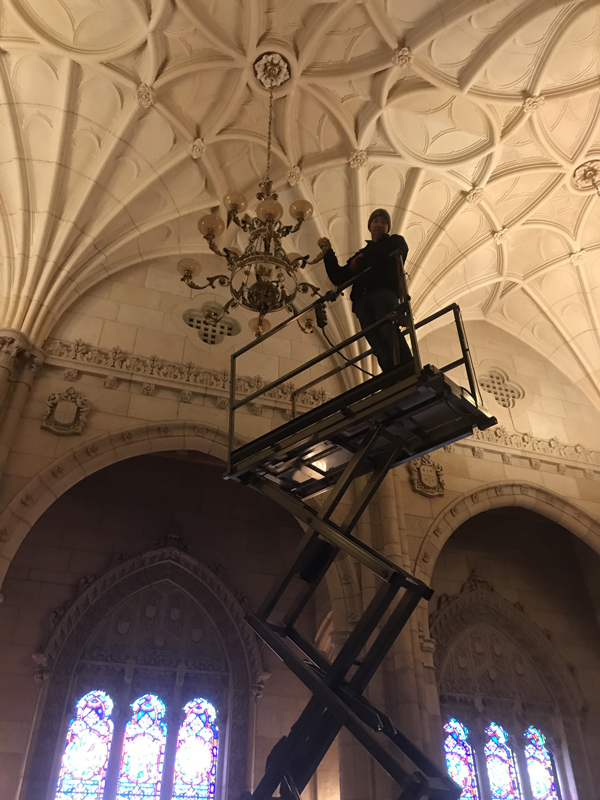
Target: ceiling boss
x=264, y=278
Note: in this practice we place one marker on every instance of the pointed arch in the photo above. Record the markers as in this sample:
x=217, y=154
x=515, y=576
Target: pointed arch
x=240, y=669
x=533, y=681
x=23, y=511
x=143, y=754
x=540, y=766
x=197, y=752
x=85, y=758
x=498, y=495
x=501, y=765
x=460, y=760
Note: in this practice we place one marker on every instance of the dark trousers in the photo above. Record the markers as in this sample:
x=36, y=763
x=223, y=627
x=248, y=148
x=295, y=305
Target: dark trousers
x=371, y=308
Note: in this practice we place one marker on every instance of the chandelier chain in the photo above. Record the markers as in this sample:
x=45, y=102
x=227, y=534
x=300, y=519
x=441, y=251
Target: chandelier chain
x=268, y=176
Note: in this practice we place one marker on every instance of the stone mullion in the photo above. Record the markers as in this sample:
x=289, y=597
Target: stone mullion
x=477, y=742
x=120, y=719
x=519, y=752
x=174, y=719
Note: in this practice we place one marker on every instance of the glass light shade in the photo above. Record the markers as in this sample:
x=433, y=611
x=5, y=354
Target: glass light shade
x=253, y=325
x=211, y=222
x=301, y=208
x=293, y=256
x=269, y=207
x=188, y=265
x=235, y=199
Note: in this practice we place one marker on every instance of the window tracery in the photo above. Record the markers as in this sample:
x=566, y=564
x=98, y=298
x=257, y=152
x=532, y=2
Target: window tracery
x=512, y=773
x=501, y=765
x=197, y=746
x=142, y=758
x=540, y=766
x=143, y=751
x=85, y=758
x=459, y=758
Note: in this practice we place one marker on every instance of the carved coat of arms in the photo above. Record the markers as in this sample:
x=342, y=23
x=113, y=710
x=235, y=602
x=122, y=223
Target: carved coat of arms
x=427, y=476
x=66, y=412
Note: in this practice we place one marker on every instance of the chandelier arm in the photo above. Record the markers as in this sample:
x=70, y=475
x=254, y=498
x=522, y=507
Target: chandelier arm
x=285, y=230
x=224, y=280
x=241, y=223
x=211, y=243
x=306, y=287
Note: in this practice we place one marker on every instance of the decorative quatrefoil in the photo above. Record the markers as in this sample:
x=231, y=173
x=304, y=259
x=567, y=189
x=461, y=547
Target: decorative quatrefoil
x=505, y=391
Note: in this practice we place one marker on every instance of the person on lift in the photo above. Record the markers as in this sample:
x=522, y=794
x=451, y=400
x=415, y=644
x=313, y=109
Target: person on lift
x=375, y=294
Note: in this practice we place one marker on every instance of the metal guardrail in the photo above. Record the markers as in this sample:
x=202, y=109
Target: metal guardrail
x=409, y=329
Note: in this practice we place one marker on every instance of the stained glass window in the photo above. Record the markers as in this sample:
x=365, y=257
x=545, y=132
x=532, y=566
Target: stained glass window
x=196, y=760
x=540, y=767
x=459, y=759
x=143, y=751
x=83, y=767
x=501, y=766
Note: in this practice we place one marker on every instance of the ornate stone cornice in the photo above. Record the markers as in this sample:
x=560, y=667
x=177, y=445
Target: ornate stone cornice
x=553, y=448
x=168, y=373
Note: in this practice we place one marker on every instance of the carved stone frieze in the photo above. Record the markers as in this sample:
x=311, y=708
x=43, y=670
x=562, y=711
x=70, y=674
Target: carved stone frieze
x=532, y=444
x=427, y=476
x=141, y=367
x=66, y=412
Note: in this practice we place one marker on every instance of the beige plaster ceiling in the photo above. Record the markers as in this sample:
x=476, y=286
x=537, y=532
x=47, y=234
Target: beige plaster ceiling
x=97, y=174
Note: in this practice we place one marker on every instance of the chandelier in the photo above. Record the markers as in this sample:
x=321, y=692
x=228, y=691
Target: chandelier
x=263, y=278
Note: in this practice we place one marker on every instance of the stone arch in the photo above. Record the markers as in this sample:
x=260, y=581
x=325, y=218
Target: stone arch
x=548, y=696
x=60, y=663
x=88, y=457
x=498, y=495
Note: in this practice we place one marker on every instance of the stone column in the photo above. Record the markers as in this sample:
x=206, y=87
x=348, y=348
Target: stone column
x=19, y=369
x=11, y=344
x=256, y=692
x=405, y=652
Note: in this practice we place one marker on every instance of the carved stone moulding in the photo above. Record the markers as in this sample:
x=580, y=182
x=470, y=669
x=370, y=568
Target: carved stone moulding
x=154, y=371
x=66, y=412
x=427, y=477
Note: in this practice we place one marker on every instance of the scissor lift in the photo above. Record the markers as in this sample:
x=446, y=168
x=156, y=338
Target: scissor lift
x=378, y=424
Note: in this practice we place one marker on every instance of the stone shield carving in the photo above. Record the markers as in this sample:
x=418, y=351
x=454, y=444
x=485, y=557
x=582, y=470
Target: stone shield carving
x=427, y=477
x=66, y=413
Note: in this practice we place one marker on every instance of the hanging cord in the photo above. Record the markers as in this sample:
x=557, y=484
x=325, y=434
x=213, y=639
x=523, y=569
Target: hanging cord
x=370, y=374
x=331, y=344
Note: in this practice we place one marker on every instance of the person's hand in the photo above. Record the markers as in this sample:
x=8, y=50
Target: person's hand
x=324, y=244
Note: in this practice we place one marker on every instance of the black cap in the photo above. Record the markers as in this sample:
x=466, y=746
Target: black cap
x=380, y=212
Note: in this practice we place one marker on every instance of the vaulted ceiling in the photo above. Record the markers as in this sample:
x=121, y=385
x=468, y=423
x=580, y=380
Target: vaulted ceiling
x=122, y=121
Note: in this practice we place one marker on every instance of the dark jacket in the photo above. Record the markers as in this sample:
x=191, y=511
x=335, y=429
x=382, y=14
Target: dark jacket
x=374, y=254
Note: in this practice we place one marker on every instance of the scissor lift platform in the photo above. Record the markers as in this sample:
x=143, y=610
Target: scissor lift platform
x=414, y=415
x=366, y=431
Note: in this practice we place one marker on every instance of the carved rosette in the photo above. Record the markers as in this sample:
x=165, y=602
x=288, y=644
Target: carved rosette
x=197, y=149
x=358, y=159
x=427, y=477
x=294, y=175
x=66, y=413
x=403, y=57
x=272, y=70
x=145, y=95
